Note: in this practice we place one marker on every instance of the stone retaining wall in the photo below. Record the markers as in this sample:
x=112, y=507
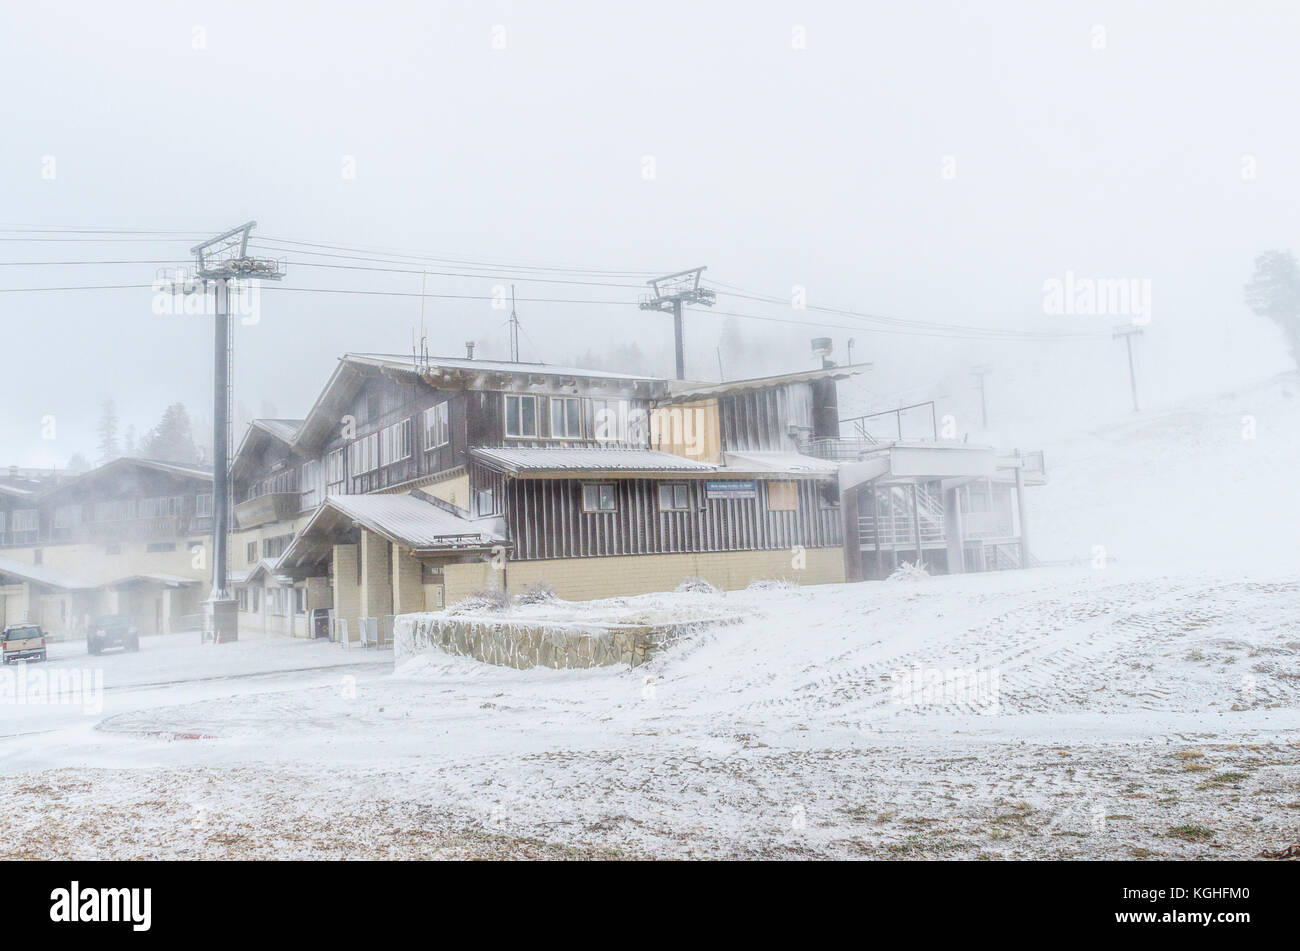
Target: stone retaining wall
x=531, y=643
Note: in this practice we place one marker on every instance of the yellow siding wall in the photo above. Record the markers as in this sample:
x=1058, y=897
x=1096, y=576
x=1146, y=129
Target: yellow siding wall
x=584, y=579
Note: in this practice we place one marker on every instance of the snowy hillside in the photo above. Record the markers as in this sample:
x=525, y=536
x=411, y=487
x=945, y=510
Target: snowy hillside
x=1210, y=483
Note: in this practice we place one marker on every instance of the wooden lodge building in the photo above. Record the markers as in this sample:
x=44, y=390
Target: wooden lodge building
x=412, y=484
x=131, y=537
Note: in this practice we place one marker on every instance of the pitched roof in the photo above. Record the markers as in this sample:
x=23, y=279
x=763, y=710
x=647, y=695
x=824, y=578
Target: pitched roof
x=172, y=468
x=282, y=429
x=408, y=362
x=683, y=390
x=42, y=575
x=414, y=521
x=779, y=463
x=563, y=461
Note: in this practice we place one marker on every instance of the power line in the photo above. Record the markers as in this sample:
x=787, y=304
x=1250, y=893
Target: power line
x=76, y=287
x=437, y=259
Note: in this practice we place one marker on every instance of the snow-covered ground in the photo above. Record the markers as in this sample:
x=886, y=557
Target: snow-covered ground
x=1147, y=708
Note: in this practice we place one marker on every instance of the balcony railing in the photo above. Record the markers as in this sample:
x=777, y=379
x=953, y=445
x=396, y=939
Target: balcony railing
x=273, y=507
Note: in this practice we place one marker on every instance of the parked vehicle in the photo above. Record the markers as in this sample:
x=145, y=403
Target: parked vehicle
x=112, y=630
x=22, y=642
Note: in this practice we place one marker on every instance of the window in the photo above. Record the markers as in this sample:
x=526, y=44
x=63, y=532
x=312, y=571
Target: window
x=160, y=546
x=203, y=505
x=251, y=552
x=363, y=454
x=300, y=601
x=437, y=429
x=783, y=497
x=38, y=556
x=674, y=497
x=67, y=516
x=395, y=443
x=486, y=501
x=241, y=595
x=25, y=520
x=598, y=497
x=521, y=416
x=610, y=419
x=828, y=495
x=309, y=481
x=155, y=508
x=335, y=473
x=566, y=417
x=274, y=547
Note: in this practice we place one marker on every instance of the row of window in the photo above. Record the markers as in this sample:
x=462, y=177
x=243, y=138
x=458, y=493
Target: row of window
x=117, y=510
x=524, y=413
x=279, y=601
x=676, y=496
x=24, y=520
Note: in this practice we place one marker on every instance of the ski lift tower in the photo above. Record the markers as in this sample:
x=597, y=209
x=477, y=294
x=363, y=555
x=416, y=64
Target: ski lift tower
x=670, y=293
x=220, y=264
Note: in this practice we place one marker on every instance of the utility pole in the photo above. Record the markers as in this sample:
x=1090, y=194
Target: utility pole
x=982, y=371
x=670, y=294
x=514, y=328
x=1128, y=332
x=221, y=263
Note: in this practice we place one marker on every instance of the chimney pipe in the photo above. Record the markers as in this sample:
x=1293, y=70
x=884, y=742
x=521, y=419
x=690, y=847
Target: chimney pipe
x=469, y=349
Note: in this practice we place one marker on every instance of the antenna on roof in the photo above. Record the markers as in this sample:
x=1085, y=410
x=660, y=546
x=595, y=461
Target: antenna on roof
x=514, y=328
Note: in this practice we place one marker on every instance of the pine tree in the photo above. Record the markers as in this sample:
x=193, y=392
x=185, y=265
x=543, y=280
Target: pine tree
x=1274, y=292
x=172, y=440
x=109, y=448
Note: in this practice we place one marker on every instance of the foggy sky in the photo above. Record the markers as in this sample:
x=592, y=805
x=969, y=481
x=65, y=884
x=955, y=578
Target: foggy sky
x=774, y=166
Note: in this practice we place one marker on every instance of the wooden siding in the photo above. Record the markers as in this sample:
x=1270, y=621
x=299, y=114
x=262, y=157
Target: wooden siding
x=546, y=520
x=760, y=420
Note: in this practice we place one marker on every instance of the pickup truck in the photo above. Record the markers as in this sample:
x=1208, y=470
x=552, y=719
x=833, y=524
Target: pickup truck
x=22, y=642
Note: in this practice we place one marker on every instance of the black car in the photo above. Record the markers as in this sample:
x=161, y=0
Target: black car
x=112, y=630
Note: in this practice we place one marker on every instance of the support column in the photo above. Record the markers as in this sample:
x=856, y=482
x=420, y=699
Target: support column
x=347, y=593
x=916, y=526
x=376, y=576
x=221, y=612
x=852, y=535
x=408, y=595
x=1024, y=517
x=952, y=530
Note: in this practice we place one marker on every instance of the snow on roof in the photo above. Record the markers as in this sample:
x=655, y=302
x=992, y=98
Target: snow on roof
x=282, y=429
x=172, y=580
x=682, y=390
x=412, y=521
x=407, y=362
x=785, y=463
x=41, y=575
x=562, y=460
